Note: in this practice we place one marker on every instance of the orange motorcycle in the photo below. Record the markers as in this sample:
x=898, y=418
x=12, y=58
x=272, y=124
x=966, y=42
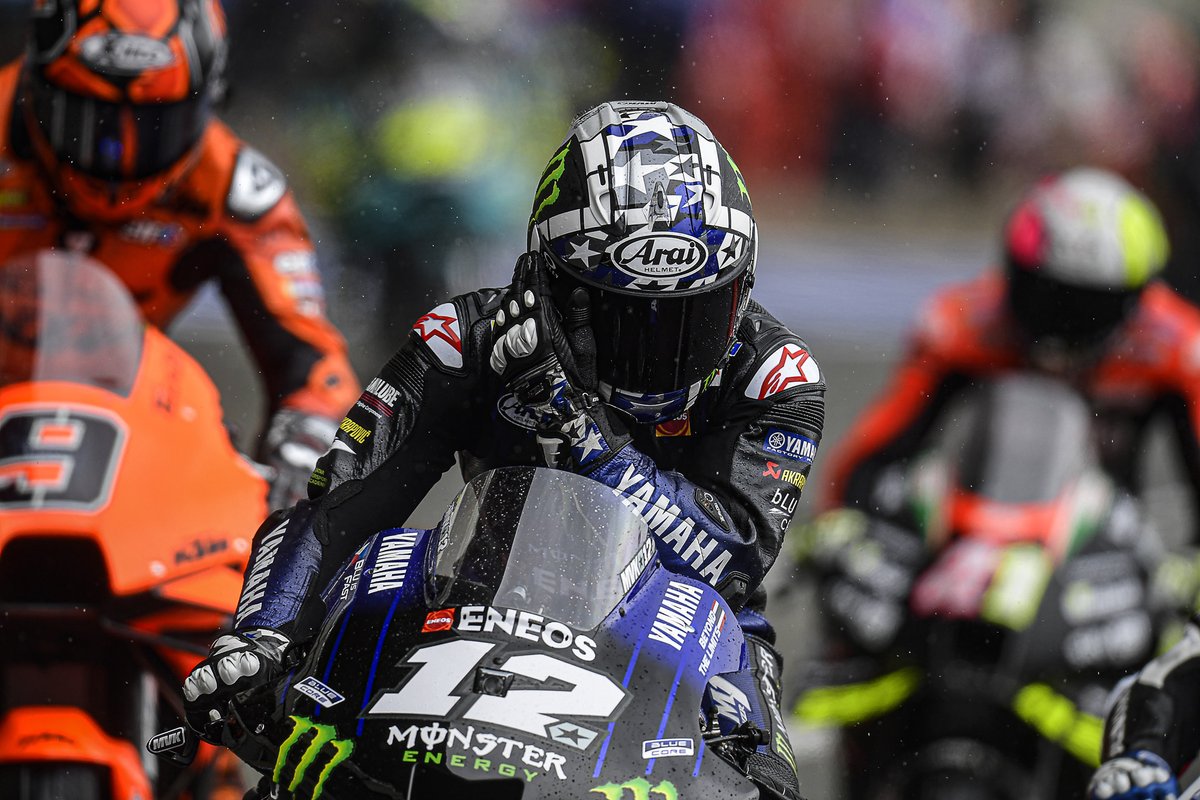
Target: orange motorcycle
x=125, y=522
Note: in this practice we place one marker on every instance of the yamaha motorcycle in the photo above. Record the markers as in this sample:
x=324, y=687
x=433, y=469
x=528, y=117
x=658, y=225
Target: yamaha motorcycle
x=974, y=637
x=530, y=646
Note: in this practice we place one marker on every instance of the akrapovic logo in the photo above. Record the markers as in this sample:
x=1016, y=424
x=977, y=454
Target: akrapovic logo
x=124, y=53
x=661, y=254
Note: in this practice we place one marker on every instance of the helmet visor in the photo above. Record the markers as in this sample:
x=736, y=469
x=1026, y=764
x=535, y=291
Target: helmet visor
x=653, y=343
x=1074, y=315
x=116, y=141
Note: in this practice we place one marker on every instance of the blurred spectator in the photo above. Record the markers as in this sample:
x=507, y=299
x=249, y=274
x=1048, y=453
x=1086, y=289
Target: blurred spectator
x=419, y=129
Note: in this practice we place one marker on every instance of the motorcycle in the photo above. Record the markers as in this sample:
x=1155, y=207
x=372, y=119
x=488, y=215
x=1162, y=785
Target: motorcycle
x=125, y=516
x=973, y=638
x=530, y=646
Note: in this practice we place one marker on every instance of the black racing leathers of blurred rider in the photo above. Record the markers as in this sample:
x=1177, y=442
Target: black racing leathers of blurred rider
x=717, y=486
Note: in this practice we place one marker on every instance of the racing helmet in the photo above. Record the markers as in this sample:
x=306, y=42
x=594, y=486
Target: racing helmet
x=118, y=93
x=642, y=207
x=1079, y=249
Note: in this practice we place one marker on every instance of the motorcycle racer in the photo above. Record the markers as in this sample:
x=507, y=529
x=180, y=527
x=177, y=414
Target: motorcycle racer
x=108, y=144
x=1076, y=297
x=626, y=349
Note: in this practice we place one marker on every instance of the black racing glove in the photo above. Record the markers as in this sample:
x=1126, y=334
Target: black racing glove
x=550, y=365
x=236, y=662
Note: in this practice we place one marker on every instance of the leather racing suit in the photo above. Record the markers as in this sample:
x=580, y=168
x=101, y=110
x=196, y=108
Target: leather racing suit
x=717, y=486
x=230, y=218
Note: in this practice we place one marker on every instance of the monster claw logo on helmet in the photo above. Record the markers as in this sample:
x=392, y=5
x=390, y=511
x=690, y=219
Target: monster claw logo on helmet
x=116, y=95
x=643, y=208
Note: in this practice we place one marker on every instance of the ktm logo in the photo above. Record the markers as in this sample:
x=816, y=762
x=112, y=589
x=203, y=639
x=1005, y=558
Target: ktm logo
x=639, y=789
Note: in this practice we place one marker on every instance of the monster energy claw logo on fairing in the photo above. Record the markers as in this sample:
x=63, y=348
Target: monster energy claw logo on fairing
x=321, y=754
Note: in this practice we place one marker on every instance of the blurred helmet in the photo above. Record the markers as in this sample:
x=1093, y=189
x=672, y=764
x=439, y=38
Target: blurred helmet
x=117, y=94
x=643, y=208
x=1079, y=249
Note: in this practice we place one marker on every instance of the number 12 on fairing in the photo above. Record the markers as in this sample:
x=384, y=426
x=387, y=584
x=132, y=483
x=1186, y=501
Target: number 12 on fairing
x=442, y=668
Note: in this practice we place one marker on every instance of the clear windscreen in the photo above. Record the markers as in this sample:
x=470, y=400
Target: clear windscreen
x=1031, y=438
x=539, y=540
x=65, y=317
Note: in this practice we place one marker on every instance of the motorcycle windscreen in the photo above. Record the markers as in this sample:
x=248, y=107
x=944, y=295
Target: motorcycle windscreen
x=539, y=540
x=65, y=317
x=1028, y=443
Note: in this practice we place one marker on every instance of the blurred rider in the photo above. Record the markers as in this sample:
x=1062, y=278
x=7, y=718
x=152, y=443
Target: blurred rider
x=1076, y=297
x=108, y=144
x=626, y=349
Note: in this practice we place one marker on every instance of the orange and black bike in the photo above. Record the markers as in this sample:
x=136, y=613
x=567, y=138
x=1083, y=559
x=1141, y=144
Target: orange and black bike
x=125, y=519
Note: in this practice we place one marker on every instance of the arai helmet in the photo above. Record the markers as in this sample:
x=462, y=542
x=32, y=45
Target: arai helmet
x=642, y=207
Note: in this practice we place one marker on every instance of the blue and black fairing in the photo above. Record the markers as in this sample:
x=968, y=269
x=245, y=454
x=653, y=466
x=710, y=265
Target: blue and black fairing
x=532, y=640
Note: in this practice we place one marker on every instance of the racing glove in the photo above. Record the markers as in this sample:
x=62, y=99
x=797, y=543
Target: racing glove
x=1136, y=775
x=549, y=363
x=293, y=443
x=236, y=662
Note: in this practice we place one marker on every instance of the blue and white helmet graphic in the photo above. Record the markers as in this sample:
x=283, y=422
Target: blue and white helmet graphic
x=643, y=207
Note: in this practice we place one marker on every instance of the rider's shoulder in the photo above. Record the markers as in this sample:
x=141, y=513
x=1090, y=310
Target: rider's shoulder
x=769, y=362
x=233, y=178
x=1164, y=331
x=962, y=320
x=452, y=330
x=1163, y=308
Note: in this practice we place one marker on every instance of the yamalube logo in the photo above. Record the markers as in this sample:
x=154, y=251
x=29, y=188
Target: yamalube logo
x=661, y=254
x=124, y=53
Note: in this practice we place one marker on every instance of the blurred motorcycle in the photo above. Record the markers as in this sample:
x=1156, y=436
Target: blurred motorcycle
x=530, y=646
x=125, y=513
x=974, y=637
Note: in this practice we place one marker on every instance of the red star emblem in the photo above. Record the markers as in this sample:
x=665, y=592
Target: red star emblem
x=788, y=371
x=439, y=326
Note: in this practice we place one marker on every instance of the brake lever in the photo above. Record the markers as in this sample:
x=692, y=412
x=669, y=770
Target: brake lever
x=177, y=745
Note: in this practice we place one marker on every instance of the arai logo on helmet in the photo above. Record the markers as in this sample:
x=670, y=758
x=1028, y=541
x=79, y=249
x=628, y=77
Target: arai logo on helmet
x=124, y=53
x=661, y=254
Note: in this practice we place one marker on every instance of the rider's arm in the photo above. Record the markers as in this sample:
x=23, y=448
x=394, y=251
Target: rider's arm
x=263, y=259
x=722, y=517
x=391, y=448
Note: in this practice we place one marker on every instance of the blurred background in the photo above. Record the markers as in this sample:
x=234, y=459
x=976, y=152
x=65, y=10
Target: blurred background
x=883, y=142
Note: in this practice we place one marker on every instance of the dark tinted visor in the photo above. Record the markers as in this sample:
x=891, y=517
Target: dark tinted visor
x=1046, y=308
x=655, y=343
x=116, y=141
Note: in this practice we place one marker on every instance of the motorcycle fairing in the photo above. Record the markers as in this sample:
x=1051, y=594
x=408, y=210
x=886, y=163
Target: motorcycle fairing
x=390, y=656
